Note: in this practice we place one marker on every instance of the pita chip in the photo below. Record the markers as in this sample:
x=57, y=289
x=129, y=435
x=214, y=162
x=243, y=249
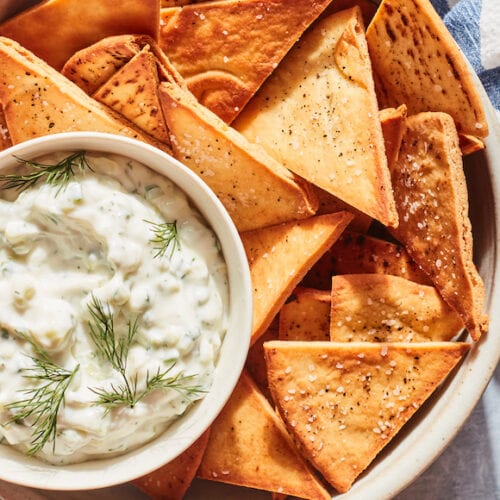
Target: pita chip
x=171, y=481
x=306, y=316
x=133, y=92
x=392, y=121
x=416, y=62
x=91, y=67
x=356, y=253
x=249, y=446
x=317, y=114
x=225, y=50
x=385, y=308
x=5, y=141
x=470, y=144
x=431, y=198
x=255, y=189
x=343, y=402
x=37, y=100
x=279, y=257
x=55, y=29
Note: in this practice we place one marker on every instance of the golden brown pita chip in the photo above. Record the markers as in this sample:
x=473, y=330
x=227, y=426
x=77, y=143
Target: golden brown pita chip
x=55, y=29
x=344, y=401
x=416, y=62
x=279, y=257
x=171, y=481
x=385, y=308
x=392, y=121
x=225, y=50
x=356, y=253
x=133, y=92
x=5, y=141
x=37, y=100
x=93, y=66
x=317, y=114
x=255, y=189
x=431, y=198
x=306, y=316
x=249, y=446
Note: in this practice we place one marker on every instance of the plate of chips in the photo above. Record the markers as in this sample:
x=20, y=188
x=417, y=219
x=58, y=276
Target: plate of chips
x=355, y=150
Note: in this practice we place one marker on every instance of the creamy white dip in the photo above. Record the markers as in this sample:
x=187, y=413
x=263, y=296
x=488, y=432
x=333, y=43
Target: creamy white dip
x=61, y=248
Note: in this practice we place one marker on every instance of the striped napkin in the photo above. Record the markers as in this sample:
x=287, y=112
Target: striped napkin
x=475, y=25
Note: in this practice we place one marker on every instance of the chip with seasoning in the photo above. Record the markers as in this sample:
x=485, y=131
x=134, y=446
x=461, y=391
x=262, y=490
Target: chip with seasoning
x=306, y=316
x=344, y=402
x=280, y=256
x=431, y=198
x=317, y=114
x=249, y=446
x=173, y=479
x=385, y=308
x=224, y=63
x=416, y=62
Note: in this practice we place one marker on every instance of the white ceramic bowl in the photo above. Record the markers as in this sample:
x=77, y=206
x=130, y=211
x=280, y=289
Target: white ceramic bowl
x=17, y=468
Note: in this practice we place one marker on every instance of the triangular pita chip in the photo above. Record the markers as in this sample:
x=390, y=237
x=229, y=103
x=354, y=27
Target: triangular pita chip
x=133, y=92
x=225, y=50
x=356, y=253
x=249, y=446
x=255, y=189
x=385, y=308
x=55, y=29
x=91, y=67
x=344, y=401
x=37, y=100
x=279, y=257
x=416, y=62
x=317, y=114
x=431, y=197
x=306, y=316
x=392, y=121
x=470, y=144
x=171, y=481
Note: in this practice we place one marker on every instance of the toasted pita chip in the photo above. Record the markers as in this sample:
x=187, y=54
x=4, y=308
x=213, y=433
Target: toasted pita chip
x=416, y=62
x=133, y=92
x=431, y=196
x=385, y=308
x=37, y=100
x=470, y=144
x=392, y=121
x=356, y=253
x=5, y=141
x=91, y=67
x=255, y=189
x=55, y=29
x=317, y=115
x=306, y=316
x=280, y=256
x=344, y=401
x=225, y=50
x=249, y=446
x=171, y=481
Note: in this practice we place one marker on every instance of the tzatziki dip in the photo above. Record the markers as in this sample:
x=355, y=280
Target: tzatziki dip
x=113, y=306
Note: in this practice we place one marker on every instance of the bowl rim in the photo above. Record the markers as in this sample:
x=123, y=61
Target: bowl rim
x=27, y=471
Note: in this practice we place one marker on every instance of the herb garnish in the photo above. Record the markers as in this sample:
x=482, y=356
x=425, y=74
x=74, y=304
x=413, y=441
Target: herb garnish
x=42, y=402
x=115, y=350
x=166, y=237
x=56, y=175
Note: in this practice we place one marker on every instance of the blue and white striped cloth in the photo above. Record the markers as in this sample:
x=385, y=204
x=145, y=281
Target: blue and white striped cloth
x=475, y=25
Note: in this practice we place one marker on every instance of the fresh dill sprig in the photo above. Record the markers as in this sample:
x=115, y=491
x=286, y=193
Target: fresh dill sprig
x=42, y=402
x=115, y=350
x=166, y=237
x=56, y=175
